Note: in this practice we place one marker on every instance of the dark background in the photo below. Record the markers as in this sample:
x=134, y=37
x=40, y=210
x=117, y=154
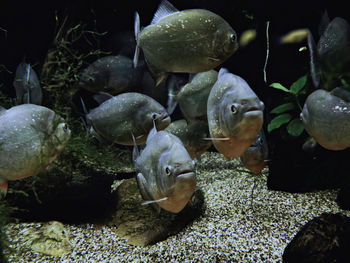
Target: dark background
x=30, y=29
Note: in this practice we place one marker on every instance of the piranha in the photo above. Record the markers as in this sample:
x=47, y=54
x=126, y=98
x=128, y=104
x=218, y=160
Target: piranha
x=166, y=175
x=31, y=136
x=193, y=97
x=326, y=117
x=235, y=114
x=112, y=74
x=128, y=113
x=193, y=40
x=192, y=135
x=27, y=85
x=330, y=59
x=255, y=157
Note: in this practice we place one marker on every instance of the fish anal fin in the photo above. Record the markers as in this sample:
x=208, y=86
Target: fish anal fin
x=3, y=189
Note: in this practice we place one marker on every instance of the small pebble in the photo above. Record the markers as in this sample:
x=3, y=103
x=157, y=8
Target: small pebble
x=243, y=222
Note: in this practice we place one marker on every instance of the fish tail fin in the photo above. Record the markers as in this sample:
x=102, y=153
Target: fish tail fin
x=136, y=31
x=3, y=189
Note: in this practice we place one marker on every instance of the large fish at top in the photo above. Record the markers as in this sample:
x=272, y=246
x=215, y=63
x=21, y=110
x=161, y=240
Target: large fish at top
x=193, y=40
x=166, y=175
x=235, y=114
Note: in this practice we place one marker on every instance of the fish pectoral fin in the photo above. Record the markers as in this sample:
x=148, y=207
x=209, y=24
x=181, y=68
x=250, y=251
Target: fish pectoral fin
x=214, y=59
x=155, y=201
x=3, y=189
x=142, y=184
x=216, y=139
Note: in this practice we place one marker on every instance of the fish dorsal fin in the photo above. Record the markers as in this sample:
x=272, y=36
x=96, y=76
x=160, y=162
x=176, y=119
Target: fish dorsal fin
x=2, y=110
x=165, y=8
x=222, y=72
x=314, y=62
x=324, y=23
x=102, y=97
x=152, y=132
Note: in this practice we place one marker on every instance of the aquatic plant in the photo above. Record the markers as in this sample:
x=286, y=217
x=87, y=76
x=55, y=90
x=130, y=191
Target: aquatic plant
x=288, y=112
x=3, y=237
x=72, y=49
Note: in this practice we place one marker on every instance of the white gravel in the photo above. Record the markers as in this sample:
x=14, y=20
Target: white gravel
x=240, y=224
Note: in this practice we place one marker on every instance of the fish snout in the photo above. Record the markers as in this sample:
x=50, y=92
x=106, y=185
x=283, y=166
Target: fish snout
x=162, y=120
x=185, y=171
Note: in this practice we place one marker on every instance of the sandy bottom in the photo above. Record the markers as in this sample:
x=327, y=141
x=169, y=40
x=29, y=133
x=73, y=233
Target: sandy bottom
x=243, y=222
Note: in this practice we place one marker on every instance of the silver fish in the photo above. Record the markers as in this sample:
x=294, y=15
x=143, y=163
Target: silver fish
x=235, y=114
x=192, y=136
x=27, y=85
x=255, y=157
x=193, y=40
x=166, y=175
x=112, y=74
x=331, y=58
x=193, y=97
x=31, y=136
x=128, y=113
x=326, y=117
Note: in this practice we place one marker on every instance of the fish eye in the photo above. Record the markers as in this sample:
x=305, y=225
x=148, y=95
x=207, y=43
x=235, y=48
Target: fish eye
x=167, y=171
x=154, y=116
x=233, y=109
x=233, y=38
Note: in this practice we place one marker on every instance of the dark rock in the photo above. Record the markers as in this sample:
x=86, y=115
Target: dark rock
x=141, y=225
x=294, y=170
x=322, y=240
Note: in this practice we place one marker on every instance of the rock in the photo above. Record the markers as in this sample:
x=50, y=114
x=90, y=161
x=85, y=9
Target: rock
x=79, y=181
x=140, y=224
x=51, y=238
x=323, y=239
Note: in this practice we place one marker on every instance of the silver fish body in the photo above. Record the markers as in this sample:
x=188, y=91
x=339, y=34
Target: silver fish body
x=31, y=136
x=193, y=97
x=128, y=113
x=193, y=40
x=111, y=74
x=254, y=158
x=235, y=114
x=326, y=117
x=166, y=175
x=192, y=135
x=27, y=85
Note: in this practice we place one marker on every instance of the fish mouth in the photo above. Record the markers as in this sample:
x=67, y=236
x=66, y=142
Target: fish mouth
x=253, y=111
x=185, y=174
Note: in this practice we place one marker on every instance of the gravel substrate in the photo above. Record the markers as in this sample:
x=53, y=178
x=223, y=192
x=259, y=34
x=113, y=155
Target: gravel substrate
x=243, y=222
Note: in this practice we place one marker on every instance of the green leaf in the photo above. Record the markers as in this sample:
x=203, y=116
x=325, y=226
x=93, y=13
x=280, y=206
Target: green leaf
x=295, y=127
x=278, y=121
x=284, y=107
x=279, y=86
x=298, y=85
